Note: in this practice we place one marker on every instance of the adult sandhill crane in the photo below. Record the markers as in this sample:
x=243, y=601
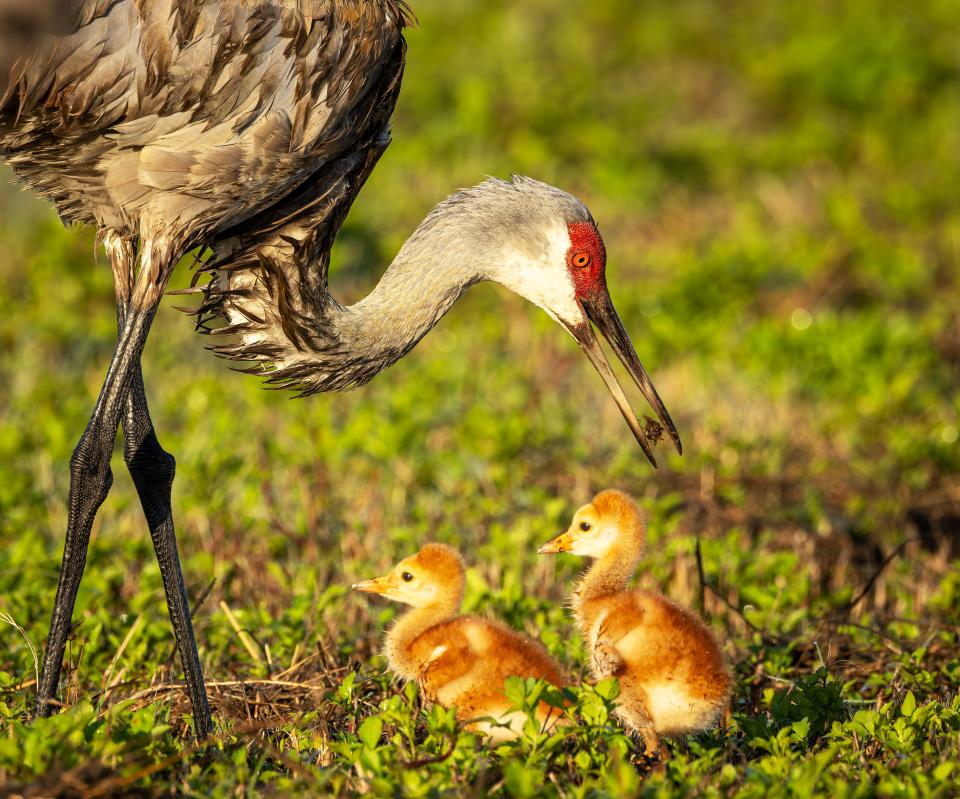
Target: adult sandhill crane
x=247, y=128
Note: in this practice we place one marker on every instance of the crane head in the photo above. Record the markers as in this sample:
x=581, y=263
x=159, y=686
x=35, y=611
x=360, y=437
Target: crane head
x=555, y=257
x=541, y=243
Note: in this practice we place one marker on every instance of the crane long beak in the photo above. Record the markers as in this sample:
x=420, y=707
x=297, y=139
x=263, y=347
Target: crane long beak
x=599, y=309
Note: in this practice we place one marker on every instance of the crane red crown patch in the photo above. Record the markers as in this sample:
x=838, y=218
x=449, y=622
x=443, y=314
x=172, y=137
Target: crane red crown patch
x=586, y=259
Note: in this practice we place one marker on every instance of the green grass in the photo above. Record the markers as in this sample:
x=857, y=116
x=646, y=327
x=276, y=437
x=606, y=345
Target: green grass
x=777, y=187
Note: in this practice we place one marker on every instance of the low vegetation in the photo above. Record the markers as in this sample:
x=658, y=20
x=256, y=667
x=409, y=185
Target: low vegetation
x=777, y=187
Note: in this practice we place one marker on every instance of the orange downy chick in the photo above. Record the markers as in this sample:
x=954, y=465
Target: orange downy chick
x=459, y=661
x=673, y=676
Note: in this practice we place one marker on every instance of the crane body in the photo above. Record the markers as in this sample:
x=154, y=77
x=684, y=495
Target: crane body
x=246, y=128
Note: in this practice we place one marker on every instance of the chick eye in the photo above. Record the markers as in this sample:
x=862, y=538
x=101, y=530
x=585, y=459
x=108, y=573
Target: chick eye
x=581, y=259
x=406, y=577
x=584, y=526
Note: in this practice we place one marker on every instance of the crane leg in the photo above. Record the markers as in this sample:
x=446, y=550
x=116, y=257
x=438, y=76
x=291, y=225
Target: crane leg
x=152, y=469
x=90, y=481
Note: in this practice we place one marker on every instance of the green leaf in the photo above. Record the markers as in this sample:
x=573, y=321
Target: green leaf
x=801, y=729
x=515, y=690
x=369, y=731
x=943, y=771
x=909, y=705
x=609, y=688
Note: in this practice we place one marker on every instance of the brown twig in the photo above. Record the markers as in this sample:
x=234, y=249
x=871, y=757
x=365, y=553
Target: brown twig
x=426, y=761
x=245, y=638
x=873, y=578
x=171, y=687
x=701, y=600
x=706, y=584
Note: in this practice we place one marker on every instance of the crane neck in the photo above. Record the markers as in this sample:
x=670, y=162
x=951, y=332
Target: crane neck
x=417, y=289
x=457, y=245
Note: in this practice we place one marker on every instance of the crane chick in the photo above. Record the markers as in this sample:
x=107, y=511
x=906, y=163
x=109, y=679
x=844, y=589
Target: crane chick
x=459, y=661
x=673, y=677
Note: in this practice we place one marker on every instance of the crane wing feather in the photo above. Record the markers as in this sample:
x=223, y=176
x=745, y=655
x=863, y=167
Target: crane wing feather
x=187, y=117
x=244, y=127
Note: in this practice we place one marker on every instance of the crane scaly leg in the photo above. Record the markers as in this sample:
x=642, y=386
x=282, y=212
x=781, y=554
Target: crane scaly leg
x=152, y=470
x=90, y=481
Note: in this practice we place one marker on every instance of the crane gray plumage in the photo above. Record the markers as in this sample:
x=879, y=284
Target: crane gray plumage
x=334, y=347
x=245, y=129
x=183, y=122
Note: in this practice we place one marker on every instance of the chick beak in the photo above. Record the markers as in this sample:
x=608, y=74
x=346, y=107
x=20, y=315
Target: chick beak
x=562, y=543
x=378, y=585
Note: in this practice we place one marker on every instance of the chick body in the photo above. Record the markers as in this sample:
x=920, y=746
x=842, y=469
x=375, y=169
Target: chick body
x=664, y=656
x=459, y=661
x=673, y=677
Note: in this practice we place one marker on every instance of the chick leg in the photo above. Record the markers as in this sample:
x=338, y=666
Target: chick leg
x=725, y=718
x=606, y=660
x=632, y=710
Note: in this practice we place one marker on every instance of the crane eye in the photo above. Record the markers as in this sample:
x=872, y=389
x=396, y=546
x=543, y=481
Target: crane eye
x=584, y=526
x=581, y=259
x=406, y=577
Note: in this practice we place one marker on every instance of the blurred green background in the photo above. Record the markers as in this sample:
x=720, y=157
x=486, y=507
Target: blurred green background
x=777, y=187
